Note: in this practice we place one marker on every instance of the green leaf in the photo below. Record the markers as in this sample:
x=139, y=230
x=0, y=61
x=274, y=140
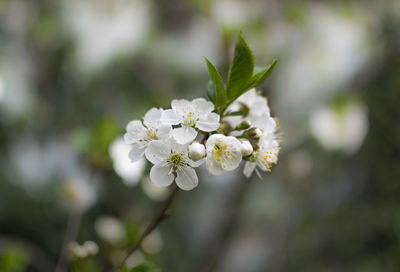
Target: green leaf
x=211, y=91
x=146, y=267
x=241, y=69
x=260, y=76
x=124, y=269
x=219, y=86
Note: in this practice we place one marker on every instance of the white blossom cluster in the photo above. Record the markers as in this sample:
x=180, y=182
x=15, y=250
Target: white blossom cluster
x=179, y=139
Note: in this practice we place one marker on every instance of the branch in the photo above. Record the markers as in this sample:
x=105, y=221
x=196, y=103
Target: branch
x=74, y=221
x=163, y=214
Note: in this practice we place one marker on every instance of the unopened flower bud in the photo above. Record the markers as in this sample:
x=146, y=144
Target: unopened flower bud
x=243, y=125
x=77, y=251
x=91, y=247
x=247, y=148
x=197, y=151
x=255, y=133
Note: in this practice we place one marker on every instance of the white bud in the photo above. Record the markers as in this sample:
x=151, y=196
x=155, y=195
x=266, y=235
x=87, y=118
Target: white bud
x=197, y=151
x=247, y=148
x=255, y=133
x=77, y=251
x=91, y=247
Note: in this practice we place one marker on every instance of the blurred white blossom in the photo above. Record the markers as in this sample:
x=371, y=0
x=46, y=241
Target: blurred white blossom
x=154, y=192
x=129, y=171
x=78, y=194
x=230, y=14
x=105, y=29
x=111, y=230
x=343, y=128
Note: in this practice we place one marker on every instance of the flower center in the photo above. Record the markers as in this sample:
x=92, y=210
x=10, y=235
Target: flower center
x=190, y=119
x=175, y=160
x=218, y=151
x=151, y=135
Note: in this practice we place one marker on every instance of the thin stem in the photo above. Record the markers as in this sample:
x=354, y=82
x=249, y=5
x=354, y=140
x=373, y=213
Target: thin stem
x=74, y=221
x=161, y=215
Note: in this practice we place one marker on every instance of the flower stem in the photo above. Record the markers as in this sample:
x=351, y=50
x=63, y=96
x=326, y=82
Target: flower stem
x=160, y=217
x=74, y=221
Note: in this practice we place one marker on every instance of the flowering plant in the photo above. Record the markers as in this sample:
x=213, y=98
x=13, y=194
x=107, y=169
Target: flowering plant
x=234, y=125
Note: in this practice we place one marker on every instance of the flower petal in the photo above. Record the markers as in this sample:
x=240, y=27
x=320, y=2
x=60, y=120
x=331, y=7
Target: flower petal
x=152, y=117
x=202, y=106
x=157, y=151
x=179, y=106
x=209, y=122
x=186, y=178
x=170, y=117
x=135, y=132
x=135, y=127
x=230, y=160
x=249, y=168
x=136, y=153
x=193, y=163
x=210, y=141
x=213, y=166
x=163, y=131
x=184, y=135
x=161, y=176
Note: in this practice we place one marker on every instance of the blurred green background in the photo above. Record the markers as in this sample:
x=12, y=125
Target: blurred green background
x=73, y=73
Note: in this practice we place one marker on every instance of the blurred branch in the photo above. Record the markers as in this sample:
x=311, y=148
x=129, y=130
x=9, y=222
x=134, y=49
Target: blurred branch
x=74, y=221
x=162, y=214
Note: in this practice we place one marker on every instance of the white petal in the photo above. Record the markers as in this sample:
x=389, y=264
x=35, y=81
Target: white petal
x=135, y=127
x=264, y=122
x=234, y=142
x=213, y=166
x=209, y=122
x=248, y=169
x=157, y=151
x=210, y=141
x=161, y=176
x=186, y=178
x=248, y=97
x=163, y=131
x=230, y=160
x=152, y=117
x=136, y=153
x=196, y=163
x=184, y=135
x=202, y=106
x=180, y=105
x=170, y=117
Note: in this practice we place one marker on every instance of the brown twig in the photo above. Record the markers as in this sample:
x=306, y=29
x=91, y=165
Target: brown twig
x=74, y=221
x=163, y=214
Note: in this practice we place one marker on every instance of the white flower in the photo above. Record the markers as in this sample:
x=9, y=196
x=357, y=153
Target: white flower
x=140, y=136
x=223, y=153
x=129, y=171
x=340, y=129
x=255, y=109
x=78, y=194
x=264, y=157
x=197, y=151
x=110, y=229
x=247, y=148
x=190, y=114
x=171, y=162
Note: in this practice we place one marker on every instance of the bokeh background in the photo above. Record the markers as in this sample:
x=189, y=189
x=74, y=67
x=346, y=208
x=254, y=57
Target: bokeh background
x=73, y=73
